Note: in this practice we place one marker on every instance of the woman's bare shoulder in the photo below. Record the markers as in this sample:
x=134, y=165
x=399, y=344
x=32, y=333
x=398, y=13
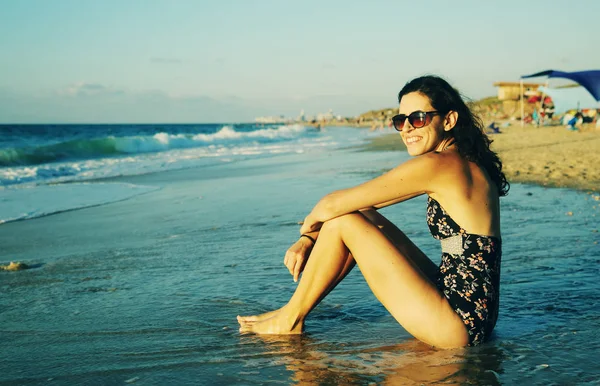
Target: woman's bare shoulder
x=443, y=163
x=459, y=179
x=450, y=171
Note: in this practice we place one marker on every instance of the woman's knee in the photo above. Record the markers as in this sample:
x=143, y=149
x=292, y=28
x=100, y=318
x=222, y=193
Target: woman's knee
x=346, y=222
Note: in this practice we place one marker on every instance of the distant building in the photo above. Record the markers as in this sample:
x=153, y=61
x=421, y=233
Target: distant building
x=328, y=116
x=511, y=91
x=272, y=119
x=320, y=117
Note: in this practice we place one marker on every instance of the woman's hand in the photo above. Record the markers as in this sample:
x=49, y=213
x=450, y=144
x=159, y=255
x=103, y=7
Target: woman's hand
x=297, y=256
x=310, y=224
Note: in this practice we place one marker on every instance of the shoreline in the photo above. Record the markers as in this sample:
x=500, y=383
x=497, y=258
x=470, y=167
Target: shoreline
x=549, y=156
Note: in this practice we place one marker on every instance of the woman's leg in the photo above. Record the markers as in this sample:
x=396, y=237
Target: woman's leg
x=403, y=244
x=400, y=276
x=348, y=265
x=392, y=274
x=400, y=240
x=325, y=268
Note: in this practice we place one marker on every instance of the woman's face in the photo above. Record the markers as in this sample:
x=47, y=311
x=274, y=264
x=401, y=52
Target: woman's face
x=427, y=138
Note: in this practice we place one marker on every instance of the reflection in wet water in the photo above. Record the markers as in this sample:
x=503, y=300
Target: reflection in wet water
x=412, y=362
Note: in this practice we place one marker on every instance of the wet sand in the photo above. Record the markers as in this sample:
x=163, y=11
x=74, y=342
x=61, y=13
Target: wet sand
x=548, y=156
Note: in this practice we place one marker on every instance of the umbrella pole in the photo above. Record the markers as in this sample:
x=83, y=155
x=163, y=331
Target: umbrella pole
x=522, y=107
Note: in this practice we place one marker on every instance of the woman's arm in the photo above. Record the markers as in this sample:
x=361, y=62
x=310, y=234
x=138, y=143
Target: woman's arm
x=415, y=177
x=395, y=201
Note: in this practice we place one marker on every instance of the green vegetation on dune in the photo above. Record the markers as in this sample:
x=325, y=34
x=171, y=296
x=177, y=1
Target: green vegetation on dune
x=489, y=108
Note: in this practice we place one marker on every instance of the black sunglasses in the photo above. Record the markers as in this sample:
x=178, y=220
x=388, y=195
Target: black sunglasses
x=417, y=119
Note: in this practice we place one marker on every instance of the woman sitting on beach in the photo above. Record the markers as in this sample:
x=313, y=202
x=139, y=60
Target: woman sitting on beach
x=453, y=305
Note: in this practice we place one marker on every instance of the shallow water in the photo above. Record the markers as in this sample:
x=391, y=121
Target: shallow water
x=146, y=290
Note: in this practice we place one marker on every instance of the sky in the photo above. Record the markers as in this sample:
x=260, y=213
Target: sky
x=229, y=61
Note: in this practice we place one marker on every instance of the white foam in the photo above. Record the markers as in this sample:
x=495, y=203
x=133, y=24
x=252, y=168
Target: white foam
x=225, y=136
x=37, y=201
x=165, y=151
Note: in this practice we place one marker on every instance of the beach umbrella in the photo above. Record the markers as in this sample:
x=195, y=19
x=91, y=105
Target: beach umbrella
x=590, y=80
x=570, y=98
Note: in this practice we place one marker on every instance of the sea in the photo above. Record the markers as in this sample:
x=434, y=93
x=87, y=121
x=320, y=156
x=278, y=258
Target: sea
x=145, y=241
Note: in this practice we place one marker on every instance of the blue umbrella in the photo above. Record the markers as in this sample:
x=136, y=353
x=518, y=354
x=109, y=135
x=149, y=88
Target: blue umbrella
x=590, y=79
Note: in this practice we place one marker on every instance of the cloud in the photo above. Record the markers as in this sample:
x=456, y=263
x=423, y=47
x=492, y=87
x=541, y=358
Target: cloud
x=165, y=61
x=83, y=89
x=88, y=102
x=95, y=103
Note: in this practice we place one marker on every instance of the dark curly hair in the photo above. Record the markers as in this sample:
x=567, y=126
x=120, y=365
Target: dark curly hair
x=471, y=140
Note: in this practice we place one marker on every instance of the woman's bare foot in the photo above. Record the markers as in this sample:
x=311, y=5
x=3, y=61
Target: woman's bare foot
x=280, y=323
x=258, y=318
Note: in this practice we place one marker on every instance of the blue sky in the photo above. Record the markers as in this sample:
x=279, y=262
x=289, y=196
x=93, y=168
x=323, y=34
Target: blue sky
x=121, y=61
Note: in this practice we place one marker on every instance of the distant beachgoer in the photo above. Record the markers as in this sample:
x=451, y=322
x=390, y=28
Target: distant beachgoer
x=573, y=123
x=374, y=125
x=549, y=111
x=378, y=123
x=493, y=129
x=389, y=123
x=535, y=117
x=453, y=305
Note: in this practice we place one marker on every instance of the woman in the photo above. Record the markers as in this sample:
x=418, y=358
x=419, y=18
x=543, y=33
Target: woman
x=453, y=305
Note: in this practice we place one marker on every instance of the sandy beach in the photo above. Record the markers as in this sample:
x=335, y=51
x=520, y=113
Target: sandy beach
x=549, y=156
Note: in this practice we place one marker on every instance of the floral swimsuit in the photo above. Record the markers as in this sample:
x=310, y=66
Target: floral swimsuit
x=469, y=274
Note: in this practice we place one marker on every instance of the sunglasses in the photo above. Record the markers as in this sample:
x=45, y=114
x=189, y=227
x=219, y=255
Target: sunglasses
x=417, y=119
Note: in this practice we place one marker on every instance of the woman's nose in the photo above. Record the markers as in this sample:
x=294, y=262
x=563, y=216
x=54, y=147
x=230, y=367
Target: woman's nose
x=407, y=126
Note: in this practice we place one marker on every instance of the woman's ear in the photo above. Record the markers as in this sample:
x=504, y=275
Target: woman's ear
x=450, y=120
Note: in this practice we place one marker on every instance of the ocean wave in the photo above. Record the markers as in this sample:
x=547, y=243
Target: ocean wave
x=113, y=146
x=161, y=151
x=142, y=163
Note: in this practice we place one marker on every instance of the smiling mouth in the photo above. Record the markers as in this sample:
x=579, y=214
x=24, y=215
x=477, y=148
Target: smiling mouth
x=413, y=139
